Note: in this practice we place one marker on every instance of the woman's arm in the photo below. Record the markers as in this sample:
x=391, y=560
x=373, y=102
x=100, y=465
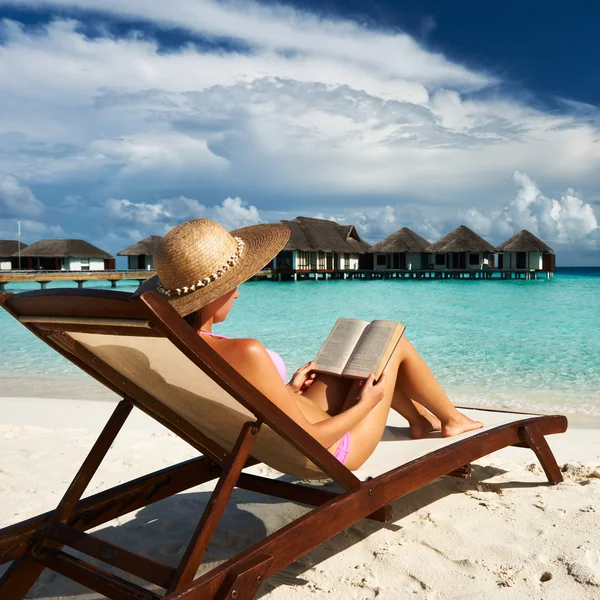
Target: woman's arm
x=250, y=358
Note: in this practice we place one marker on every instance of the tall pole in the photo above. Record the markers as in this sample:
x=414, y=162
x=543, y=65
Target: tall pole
x=19, y=241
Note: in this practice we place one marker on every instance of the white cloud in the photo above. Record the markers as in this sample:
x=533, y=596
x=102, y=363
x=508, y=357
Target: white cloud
x=234, y=213
x=319, y=115
x=17, y=200
x=392, y=55
x=375, y=224
x=140, y=219
x=566, y=220
x=136, y=212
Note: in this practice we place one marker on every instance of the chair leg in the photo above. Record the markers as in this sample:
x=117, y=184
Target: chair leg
x=91, y=463
x=537, y=442
x=19, y=578
x=215, y=507
x=23, y=573
x=463, y=472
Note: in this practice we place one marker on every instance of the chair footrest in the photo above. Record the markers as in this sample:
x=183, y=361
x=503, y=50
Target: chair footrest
x=92, y=577
x=140, y=566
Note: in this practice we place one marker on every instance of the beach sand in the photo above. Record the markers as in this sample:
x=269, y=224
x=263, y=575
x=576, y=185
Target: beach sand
x=505, y=533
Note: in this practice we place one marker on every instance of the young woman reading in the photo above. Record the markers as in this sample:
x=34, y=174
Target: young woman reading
x=199, y=266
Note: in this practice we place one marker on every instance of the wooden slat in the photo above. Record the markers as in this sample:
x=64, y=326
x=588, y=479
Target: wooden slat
x=302, y=494
x=144, y=323
x=96, y=579
x=72, y=495
x=282, y=489
x=19, y=578
x=91, y=463
x=215, y=507
x=130, y=562
x=244, y=581
x=85, y=303
x=54, y=343
x=103, y=507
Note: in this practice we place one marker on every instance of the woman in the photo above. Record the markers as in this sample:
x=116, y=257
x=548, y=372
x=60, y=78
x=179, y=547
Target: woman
x=198, y=268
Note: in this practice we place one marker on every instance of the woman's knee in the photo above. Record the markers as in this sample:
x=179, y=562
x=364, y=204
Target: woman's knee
x=403, y=349
x=405, y=346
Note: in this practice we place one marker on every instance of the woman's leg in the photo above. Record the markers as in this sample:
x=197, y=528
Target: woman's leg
x=328, y=392
x=417, y=383
x=407, y=371
x=335, y=395
x=421, y=421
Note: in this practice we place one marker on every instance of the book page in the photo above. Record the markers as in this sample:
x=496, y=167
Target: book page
x=374, y=349
x=339, y=345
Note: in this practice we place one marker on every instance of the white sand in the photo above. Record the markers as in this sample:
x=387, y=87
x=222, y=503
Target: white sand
x=503, y=534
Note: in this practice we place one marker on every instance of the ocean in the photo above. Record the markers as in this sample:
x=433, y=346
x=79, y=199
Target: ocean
x=520, y=344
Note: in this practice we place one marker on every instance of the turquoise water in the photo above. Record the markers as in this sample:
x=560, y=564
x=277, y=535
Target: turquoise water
x=525, y=344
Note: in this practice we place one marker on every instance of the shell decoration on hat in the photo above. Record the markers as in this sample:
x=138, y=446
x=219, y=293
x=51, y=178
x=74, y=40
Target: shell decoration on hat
x=233, y=259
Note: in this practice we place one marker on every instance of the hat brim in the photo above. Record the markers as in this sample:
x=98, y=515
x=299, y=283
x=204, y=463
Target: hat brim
x=261, y=244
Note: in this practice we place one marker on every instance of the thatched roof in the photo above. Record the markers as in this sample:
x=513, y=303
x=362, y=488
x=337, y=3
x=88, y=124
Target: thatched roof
x=525, y=241
x=147, y=247
x=403, y=240
x=462, y=239
x=10, y=247
x=64, y=248
x=320, y=234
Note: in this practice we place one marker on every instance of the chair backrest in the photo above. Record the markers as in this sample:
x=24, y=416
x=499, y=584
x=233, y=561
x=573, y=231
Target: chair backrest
x=163, y=371
x=141, y=340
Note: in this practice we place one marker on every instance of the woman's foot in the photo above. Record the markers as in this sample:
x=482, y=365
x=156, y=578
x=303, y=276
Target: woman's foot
x=459, y=424
x=436, y=424
x=420, y=427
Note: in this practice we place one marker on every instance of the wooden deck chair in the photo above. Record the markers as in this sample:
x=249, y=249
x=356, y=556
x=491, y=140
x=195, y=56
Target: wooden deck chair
x=140, y=348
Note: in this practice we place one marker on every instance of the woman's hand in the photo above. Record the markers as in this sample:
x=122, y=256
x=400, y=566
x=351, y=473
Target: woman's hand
x=302, y=378
x=371, y=393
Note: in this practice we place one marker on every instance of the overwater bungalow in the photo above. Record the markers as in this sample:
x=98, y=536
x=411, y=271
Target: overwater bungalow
x=319, y=246
x=139, y=256
x=8, y=248
x=525, y=251
x=462, y=249
x=65, y=255
x=403, y=250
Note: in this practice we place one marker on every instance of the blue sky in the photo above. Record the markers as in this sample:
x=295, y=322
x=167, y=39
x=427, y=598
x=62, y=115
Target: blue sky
x=120, y=119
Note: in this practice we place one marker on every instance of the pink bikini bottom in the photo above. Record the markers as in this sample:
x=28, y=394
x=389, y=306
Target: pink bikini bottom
x=343, y=449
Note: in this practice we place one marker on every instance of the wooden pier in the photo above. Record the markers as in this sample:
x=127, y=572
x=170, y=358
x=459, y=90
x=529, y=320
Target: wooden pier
x=496, y=274
x=80, y=277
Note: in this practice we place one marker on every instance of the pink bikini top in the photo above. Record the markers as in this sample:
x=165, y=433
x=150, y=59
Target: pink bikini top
x=277, y=360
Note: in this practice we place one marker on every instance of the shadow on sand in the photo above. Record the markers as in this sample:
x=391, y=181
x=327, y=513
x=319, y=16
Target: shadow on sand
x=161, y=531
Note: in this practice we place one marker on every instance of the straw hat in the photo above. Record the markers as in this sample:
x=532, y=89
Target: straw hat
x=200, y=261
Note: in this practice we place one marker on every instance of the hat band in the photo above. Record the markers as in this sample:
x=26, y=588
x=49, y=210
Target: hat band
x=204, y=282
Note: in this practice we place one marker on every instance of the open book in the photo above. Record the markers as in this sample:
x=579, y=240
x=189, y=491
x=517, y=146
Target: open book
x=357, y=348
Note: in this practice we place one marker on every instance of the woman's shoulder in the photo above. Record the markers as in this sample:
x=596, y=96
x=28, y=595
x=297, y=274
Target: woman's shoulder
x=242, y=348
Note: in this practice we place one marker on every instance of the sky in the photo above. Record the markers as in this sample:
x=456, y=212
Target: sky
x=119, y=120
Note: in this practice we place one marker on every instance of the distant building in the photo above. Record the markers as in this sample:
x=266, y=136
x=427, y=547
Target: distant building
x=8, y=248
x=525, y=251
x=462, y=249
x=403, y=250
x=140, y=255
x=65, y=255
x=319, y=245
